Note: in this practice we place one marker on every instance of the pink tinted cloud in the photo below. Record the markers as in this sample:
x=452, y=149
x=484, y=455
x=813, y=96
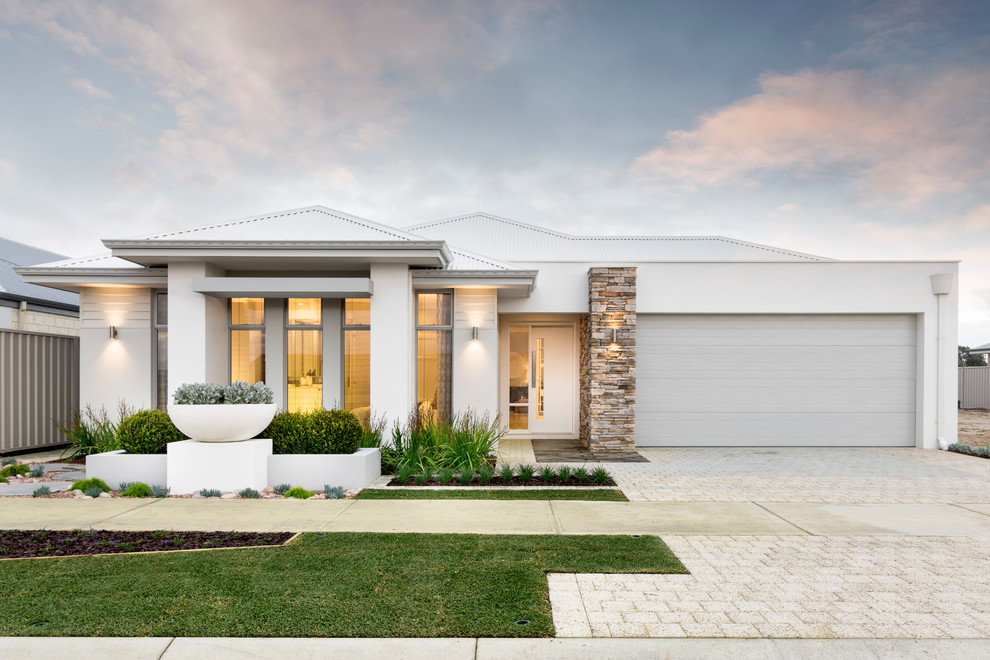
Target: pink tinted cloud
x=905, y=138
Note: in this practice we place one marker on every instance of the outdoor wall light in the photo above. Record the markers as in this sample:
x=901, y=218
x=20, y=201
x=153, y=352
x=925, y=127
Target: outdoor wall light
x=615, y=335
x=113, y=332
x=474, y=333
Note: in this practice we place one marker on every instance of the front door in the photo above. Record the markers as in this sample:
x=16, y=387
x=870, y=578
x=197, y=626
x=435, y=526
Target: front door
x=542, y=380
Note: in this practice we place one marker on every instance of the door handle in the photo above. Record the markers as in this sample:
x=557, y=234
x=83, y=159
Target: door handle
x=532, y=369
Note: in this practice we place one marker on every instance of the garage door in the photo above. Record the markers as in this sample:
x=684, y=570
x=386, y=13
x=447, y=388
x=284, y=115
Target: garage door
x=781, y=380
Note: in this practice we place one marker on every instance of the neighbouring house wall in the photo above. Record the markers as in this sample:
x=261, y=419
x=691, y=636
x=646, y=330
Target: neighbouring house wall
x=608, y=370
x=197, y=329
x=115, y=370
x=826, y=287
x=475, y=377
x=33, y=320
x=393, y=370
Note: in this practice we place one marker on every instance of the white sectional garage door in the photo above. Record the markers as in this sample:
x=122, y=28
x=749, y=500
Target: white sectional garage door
x=779, y=380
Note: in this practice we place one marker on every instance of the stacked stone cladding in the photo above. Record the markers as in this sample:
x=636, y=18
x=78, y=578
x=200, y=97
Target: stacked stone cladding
x=608, y=368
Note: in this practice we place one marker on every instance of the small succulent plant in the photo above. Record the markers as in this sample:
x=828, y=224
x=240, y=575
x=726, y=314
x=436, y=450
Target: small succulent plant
x=37, y=470
x=249, y=494
x=41, y=491
x=4, y=462
x=210, y=492
x=93, y=492
x=160, y=491
x=239, y=392
x=282, y=489
x=333, y=492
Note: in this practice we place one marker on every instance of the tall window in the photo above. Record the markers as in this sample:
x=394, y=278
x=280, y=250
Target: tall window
x=434, y=326
x=357, y=354
x=247, y=339
x=160, y=312
x=304, y=346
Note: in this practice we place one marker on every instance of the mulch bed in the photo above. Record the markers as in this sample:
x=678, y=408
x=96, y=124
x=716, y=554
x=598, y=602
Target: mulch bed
x=17, y=544
x=497, y=482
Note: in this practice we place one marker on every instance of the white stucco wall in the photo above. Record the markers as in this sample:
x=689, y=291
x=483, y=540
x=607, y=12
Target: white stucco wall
x=475, y=377
x=832, y=287
x=392, y=342
x=197, y=329
x=118, y=369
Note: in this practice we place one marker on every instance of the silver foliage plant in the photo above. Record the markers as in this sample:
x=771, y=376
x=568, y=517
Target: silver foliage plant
x=207, y=393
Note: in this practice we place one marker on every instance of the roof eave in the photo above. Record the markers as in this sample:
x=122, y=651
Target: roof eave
x=521, y=281
x=73, y=279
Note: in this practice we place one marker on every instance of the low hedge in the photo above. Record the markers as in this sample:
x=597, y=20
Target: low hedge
x=316, y=432
x=147, y=432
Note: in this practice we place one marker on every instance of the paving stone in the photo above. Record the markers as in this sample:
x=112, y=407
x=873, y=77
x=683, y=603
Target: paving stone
x=10, y=490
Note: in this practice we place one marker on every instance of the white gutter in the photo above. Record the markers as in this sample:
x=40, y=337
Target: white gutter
x=941, y=286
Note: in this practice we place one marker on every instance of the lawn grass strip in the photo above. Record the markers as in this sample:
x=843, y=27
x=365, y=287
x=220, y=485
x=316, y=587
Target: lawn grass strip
x=321, y=585
x=149, y=552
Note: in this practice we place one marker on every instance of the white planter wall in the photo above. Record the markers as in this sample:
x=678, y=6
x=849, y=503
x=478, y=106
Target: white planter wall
x=313, y=471
x=116, y=466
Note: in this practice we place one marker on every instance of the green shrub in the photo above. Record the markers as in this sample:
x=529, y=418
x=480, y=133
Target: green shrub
x=373, y=429
x=505, y=473
x=299, y=493
x=3, y=480
x=465, y=476
x=137, y=489
x=333, y=432
x=526, y=472
x=289, y=432
x=582, y=476
x=92, y=431
x=41, y=491
x=485, y=474
x=564, y=473
x=546, y=474
x=404, y=474
x=601, y=476
x=84, y=484
x=15, y=470
x=422, y=477
x=445, y=475
x=147, y=432
x=249, y=494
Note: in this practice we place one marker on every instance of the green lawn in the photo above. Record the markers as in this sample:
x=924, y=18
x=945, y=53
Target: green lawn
x=329, y=585
x=589, y=494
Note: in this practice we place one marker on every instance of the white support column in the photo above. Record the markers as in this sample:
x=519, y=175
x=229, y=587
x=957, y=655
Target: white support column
x=392, y=336
x=475, y=377
x=197, y=328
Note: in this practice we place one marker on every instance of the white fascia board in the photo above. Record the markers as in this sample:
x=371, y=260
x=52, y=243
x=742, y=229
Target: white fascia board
x=73, y=279
x=422, y=252
x=284, y=287
x=521, y=280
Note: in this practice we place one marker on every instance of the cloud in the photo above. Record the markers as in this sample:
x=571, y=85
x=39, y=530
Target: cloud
x=286, y=82
x=7, y=169
x=89, y=88
x=900, y=137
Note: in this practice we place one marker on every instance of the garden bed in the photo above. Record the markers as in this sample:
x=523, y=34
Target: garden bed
x=507, y=476
x=22, y=544
x=573, y=494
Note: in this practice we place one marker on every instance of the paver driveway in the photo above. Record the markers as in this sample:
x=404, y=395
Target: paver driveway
x=796, y=586
x=804, y=474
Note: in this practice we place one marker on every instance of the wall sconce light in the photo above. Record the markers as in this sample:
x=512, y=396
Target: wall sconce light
x=615, y=335
x=113, y=332
x=474, y=333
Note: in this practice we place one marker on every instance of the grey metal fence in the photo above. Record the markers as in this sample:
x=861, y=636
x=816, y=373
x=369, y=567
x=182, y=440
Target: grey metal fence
x=974, y=387
x=39, y=385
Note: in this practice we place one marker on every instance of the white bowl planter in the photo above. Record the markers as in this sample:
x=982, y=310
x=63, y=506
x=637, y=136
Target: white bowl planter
x=222, y=422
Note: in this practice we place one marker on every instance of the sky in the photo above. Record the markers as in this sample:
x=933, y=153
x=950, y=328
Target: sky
x=852, y=129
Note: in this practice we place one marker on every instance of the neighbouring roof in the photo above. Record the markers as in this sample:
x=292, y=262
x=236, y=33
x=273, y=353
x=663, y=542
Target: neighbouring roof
x=985, y=348
x=517, y=241
x=16, y=255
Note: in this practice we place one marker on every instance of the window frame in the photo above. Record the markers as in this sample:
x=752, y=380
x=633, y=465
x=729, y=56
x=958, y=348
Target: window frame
x=231, y=327
x=448, y=328
x=344, y=327
x=286, y=328
x=155, y=327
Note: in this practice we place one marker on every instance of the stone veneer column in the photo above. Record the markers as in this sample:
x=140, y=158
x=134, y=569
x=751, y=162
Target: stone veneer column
x=608, y=370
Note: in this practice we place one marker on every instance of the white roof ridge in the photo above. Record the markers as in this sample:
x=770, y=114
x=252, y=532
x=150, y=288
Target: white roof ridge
x=517, y=223
x=505, y=265
x=317, y=208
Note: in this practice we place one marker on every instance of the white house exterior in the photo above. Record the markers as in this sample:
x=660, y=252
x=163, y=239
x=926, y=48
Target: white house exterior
x=703, y=341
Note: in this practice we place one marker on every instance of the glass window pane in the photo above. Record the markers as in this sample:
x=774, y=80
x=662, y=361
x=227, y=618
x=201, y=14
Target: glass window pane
x=518, y=378
x=304, y=311
x=161, y=311
x=305, y=370
x=161, y=377
x=434, y=308
x=357, y=311
x=247, y=311
x=247, y=355
x=433, y=373
x=357, y=370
